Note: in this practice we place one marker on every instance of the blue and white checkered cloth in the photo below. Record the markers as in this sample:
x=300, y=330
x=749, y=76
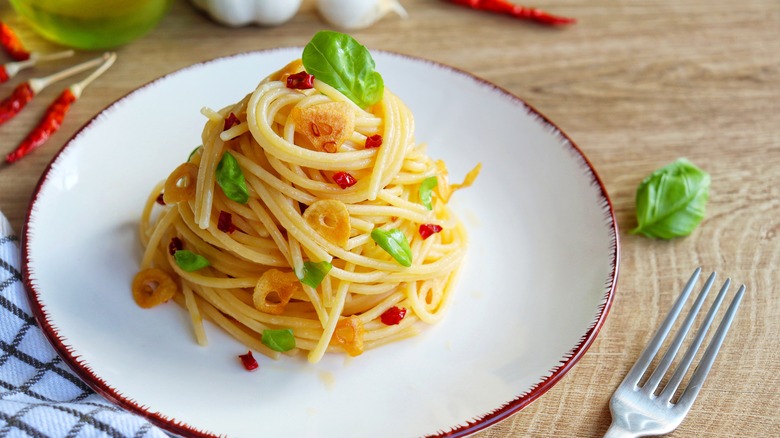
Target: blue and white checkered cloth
x=39, y=395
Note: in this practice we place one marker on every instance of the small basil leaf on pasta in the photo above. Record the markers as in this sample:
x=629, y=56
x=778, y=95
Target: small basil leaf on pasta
x=189, y=261
x=313, y=273
x=340, y=61
x=278, y=340
x=394, y=242
x=671, y=201
x=231, y=179
x=194, y=151
x=426, y=191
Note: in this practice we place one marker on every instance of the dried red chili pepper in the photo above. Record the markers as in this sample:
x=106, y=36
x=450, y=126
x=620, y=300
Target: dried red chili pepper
x=517, y=11
x=249, y=361
x=49, y=124
x=175, y=245
x=344, y=180
x=300, y=81
x=55, y=113
x=427, y=230
x=225, y=222
x=11, y=43
x=374, y=141
x=393, y=315
x=11, y=105
x=4, y=76
x=231, y=121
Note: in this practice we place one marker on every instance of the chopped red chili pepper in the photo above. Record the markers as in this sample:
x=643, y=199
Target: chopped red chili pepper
x=11, y=43
x=249, y=361
x=4, y=77
x=427, y=230
x=175, y=245
x=231, y=121
x=374, y=141
x=344, y=180
x=517, y=11
x=300, y=81
x=160, y=199
x=393, y=315
x=49, y=124
x=11, y=105
x=225, y=222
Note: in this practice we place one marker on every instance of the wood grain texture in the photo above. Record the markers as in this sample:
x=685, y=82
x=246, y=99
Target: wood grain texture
x=636, y=84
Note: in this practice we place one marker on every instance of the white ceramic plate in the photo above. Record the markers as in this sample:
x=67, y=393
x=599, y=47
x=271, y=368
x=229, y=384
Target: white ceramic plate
x=536, y=288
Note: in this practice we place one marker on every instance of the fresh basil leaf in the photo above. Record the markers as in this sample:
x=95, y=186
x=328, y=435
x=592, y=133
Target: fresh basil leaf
x=426, y=191
x=313, y=273
x=189, y=261
x=394, y=242
x=278, y=340
x=671, y=201
x=341, y=62
x=231, y=179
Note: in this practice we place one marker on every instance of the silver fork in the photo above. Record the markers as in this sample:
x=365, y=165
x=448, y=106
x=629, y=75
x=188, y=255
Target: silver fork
x=642, y=411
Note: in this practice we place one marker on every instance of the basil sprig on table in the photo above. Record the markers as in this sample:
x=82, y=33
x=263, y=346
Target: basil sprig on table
x=314, y=272
x=278, y=340
x=189, y=261
x=671, y=201
x=426, y=191
x=343, y=63
x=394, y=242
x=231, y=179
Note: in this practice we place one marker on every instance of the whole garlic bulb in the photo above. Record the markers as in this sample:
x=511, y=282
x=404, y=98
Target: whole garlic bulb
x=237, y=13
x=357, y=14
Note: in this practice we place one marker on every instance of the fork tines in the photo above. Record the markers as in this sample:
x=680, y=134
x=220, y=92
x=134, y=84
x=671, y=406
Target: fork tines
x=707, y=359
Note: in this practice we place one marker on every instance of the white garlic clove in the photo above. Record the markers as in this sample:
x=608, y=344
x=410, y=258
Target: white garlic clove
x=357, y=14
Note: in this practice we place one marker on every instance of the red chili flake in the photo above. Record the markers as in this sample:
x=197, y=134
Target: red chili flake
x=160, y=199
x=231, y=121
x=225, y=222
x=344, y=180
x=393, y=315
x=374, y=141
x=426, y=230
x=175, y=245
x=249, y=362
x=300, y=81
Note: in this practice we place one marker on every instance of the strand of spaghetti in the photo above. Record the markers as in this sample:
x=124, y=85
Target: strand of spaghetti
x=287, y=216
x=146, y=214
x=297, y=265
x=195, y=318
x=316, y=354
x=210, y=155
x=294, y=322
x=223, y=261
x=263, y=175
x=215, y=282
x=163, y=224
x=391, y=211
x=209, y=236
x=387, y=196
x=218, y=318
x=273, y=230
x=390, y=330
x=390, y=148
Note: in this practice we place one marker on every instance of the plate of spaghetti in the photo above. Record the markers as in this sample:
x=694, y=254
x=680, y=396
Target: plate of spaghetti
x=321, y=241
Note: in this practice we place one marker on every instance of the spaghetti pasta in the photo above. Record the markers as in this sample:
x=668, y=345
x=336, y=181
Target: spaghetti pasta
x=286, y=244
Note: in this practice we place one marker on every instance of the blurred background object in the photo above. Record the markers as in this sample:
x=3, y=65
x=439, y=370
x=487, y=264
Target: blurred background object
x=237, y=13
x=91, y=24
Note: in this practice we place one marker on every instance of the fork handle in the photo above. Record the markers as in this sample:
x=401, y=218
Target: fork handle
x=617, y=431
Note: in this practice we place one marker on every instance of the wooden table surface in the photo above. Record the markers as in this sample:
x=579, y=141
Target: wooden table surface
x=636, y=84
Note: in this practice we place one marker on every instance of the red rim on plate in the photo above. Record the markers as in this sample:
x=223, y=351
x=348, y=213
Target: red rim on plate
x=554, y=375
